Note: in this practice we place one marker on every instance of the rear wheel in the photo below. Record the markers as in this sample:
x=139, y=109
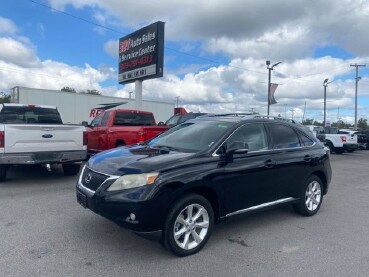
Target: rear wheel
x=71, y=169
x=3, y=170
x=339, y=150
x=330, y=146
x=188, y=225
x=119, y=143
x=311, y=197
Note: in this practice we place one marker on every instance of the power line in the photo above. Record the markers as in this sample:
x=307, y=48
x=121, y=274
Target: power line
x=118, y=32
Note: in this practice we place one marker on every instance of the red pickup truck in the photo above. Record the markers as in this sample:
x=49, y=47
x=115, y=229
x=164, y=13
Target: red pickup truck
x=116, y=128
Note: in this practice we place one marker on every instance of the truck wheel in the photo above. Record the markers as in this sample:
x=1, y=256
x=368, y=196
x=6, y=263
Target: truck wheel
x=120, y=143
x=71, y=169
x=330, y=146
x=3, y=169
x=339, y=150
x=188, y=226
x=311, y=197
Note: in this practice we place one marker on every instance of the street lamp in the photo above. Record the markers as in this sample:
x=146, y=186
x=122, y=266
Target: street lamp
x=270, y=68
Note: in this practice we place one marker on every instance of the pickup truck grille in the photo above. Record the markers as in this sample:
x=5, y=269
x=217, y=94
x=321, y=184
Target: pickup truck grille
x=92, y=180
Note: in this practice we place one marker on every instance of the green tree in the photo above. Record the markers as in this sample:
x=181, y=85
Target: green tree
x=5, y=98
x=308, y=121
x=362, y=123
x=68, y=89
x=92, y=91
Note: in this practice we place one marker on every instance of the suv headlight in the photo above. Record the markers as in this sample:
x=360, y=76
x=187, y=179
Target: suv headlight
x=133, y=181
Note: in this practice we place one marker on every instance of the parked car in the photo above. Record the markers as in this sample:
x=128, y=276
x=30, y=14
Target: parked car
x=180, y=118
x=114, y=128
x=203, y=171
x=362, y=137
x=35, y=134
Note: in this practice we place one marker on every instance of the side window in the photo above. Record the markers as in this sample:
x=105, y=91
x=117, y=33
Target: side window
x=186, y=117
x=105, y=119
x=252, y=134
x=306, y=141
x=283, y=136
x=96, y=120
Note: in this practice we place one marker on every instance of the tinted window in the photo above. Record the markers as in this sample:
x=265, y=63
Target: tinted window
x=191, y=137
x=252, y=134
x=283, y=136
x=105, y=119
x=133, y=119
x=30, y=115
x=306, y=141
x=172, y=121
x=96, y=120
x=186, y=117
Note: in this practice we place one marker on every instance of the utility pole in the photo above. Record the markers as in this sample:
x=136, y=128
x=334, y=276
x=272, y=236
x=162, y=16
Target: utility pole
x=177, y=101
x=270, y=68
x=357, y=78
x=303, y=115
x=292, y=113
x=325, y=84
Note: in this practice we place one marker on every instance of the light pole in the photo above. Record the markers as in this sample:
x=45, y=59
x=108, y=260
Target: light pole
x=270, y=68
x=325, y=84
x=292, y=111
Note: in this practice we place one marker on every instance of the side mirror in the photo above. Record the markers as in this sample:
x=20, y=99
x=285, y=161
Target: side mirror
x=161, y=123
x=237, y=147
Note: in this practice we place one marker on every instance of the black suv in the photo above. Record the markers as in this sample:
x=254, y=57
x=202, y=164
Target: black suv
x=208, y=169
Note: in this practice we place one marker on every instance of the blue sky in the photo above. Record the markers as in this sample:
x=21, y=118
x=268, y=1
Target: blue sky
x=215, y=51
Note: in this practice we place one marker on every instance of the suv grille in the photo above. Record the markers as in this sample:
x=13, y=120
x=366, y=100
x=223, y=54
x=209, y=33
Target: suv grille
x=92, y=180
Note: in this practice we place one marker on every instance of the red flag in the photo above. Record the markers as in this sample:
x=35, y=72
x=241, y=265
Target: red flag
x=271, y=99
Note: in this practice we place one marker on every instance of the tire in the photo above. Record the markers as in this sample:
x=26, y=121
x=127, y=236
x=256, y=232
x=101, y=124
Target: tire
x=350, y=150
x=311, y=197
x=191, y=238
x=330, y=146
x=339, y=150
x=3, y=170
x=119, y=143
x=71, y=169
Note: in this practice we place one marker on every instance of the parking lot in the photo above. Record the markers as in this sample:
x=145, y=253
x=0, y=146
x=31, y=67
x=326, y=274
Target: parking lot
x=44, y=232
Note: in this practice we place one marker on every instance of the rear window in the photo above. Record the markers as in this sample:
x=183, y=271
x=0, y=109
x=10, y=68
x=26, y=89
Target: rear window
x=133, y=119
x=29, y=115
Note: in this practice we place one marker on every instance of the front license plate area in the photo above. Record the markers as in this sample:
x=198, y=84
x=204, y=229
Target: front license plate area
x=81, y=199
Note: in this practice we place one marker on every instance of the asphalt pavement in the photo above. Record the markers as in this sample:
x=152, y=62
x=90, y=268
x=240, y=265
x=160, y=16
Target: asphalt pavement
x=45, y=232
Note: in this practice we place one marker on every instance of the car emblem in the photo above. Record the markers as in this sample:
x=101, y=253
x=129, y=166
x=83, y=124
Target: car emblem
x=88, y=178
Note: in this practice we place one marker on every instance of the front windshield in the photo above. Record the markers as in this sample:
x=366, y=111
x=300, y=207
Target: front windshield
x=191, y=136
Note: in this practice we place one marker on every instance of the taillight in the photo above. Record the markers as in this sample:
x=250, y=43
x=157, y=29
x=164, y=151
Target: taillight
x=343, y=138
x=141, y=137
x=2, y=139
x=85, y=137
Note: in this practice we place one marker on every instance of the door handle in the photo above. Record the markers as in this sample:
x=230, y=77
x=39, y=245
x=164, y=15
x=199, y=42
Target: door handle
x=269, y=164
x=307, y=158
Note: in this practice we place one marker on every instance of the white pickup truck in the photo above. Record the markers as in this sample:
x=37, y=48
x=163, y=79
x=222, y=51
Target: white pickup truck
x=333, y=139
x=35, y=134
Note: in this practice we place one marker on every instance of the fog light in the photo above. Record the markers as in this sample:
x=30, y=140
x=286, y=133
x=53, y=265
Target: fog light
x=132, y=217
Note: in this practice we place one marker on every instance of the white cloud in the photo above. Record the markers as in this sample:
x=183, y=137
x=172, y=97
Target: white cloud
x=15, y=52
x=7, y=26
x=111, y=48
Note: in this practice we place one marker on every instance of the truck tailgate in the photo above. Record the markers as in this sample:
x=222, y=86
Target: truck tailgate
x=23, y=138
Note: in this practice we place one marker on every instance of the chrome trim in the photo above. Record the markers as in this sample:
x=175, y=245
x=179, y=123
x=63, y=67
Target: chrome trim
x=88, y=191
x=253, y=208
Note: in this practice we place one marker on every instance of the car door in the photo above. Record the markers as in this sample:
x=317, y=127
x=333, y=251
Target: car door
x=294, y=158
x=249, y=178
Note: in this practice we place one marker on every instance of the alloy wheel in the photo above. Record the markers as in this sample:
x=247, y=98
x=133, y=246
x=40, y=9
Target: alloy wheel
x=191, y=226
x=313, y=196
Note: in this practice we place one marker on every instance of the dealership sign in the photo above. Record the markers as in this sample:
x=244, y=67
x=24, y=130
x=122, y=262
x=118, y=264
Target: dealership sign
x=141, y=54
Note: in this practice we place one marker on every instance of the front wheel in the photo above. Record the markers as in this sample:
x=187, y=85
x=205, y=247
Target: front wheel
x=71, y=169
x=311, y=197
x=189, y=225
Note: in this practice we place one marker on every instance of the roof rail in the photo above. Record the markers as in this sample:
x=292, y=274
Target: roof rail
x=275, y=118
x=230, y=114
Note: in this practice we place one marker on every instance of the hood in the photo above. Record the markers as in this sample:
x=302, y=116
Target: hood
x=135, y=159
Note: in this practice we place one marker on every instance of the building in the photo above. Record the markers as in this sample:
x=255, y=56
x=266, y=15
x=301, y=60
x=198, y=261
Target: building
x=78, y=107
